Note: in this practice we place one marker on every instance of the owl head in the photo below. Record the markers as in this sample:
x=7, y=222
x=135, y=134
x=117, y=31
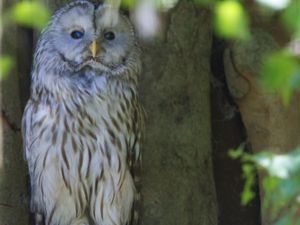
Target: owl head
x=83, y=36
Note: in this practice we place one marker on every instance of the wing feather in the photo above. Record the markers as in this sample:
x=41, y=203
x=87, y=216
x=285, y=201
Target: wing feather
x=135, y=163
x=27, y=129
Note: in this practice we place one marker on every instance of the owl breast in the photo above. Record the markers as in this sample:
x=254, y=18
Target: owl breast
x=79, y=158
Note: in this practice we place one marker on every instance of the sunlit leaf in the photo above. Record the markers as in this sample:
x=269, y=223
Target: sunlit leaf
x=231, y=20
x=263, y=159
x=248, y=169
x=275, y=4
x=31, y=14
x=281, y=166
x=279, y=192
x=6, y=65
x=270, y=183
x=166, y=4
x=128, y=3
x=248, y=194
x=291, y=17
x=277, y=72
x=235, y=153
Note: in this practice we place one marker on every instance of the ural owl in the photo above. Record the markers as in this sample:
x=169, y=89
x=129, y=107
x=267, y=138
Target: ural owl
x=82, y=124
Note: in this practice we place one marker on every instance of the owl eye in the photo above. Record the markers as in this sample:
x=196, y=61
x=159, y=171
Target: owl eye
x=77, y=34
x=109, y=35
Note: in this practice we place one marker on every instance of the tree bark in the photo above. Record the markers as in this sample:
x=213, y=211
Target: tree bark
x=13, y=181
x=178, y=186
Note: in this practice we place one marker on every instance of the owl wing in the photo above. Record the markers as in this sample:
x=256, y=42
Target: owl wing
x=27, y=129
x=134, y=161
x=28, y=143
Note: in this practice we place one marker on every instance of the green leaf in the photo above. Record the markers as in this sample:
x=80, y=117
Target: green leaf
x=288, y=189
x=278, y=70
x=165, y=5
x=291, y=17
x=248, y=169
x=31, y=14
x=235, y=153
x=279, y=165
x=6, y=65
x=290, y=217
x=238, y=153
x=263, y=159
x=231, y=20
x=249, y=174
x=270, y=183
x=274, y=4
x=128, y=4
x=247, y=196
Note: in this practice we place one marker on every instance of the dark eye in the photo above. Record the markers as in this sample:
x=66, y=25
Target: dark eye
x=77, y=34
x=109, y=35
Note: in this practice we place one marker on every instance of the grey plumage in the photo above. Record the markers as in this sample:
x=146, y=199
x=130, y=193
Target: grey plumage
x=82, y=125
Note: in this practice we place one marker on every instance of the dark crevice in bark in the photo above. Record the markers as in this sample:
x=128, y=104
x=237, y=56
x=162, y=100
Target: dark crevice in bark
x=24, y=57
x=8, y=122
x=25, y=39
x=228, y=132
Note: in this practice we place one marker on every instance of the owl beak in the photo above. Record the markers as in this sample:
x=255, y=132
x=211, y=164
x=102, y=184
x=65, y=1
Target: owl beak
x=93, y=48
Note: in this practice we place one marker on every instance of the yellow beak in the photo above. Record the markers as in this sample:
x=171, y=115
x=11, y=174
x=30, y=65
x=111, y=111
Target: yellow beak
x=93, y=48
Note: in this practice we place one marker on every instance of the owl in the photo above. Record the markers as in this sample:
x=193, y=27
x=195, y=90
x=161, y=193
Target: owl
x=82, y=124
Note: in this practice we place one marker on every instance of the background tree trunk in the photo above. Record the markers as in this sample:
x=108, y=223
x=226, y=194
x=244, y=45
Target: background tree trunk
x=13, y=180
x=178, y=186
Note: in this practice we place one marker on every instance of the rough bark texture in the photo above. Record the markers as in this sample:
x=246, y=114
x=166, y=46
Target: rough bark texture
x=178, y=186
x=13, y=185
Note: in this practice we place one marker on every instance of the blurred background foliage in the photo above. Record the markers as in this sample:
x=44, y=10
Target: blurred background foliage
x=281, y=183
x=280, y=73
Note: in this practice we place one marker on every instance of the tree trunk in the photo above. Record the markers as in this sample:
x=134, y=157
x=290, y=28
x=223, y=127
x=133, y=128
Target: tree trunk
x=13, y=181
x=178, y=186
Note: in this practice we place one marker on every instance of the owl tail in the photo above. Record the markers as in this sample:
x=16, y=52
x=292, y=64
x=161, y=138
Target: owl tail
x=84, y=221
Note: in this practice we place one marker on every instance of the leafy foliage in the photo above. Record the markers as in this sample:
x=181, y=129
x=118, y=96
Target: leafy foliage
x=31, y=14
x=6, y=64
x=230, y=20
x=291, y=17
x=279, y=173
x=280, y=73
x=26, y=13
x=280, y=182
